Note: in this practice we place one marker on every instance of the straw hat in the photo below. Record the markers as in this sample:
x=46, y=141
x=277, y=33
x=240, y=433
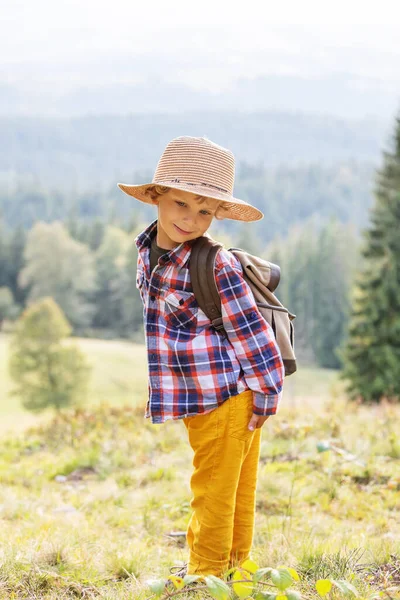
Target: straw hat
x=198, y=166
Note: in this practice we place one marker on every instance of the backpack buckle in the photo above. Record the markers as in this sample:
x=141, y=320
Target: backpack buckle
x=217, y=323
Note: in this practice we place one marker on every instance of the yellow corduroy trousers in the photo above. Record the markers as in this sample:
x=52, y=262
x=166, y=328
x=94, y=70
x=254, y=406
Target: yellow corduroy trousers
x=223, y=484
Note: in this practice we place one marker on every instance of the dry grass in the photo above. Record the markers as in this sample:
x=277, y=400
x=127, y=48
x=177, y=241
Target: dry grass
x=87, y=501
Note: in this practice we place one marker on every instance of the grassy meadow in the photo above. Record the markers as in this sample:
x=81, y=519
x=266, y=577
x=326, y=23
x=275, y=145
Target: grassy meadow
x=89, y=499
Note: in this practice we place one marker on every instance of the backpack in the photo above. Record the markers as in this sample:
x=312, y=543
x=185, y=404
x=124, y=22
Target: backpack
x=263, y=278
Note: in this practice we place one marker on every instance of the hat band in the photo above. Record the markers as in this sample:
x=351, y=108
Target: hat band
x=209, y=185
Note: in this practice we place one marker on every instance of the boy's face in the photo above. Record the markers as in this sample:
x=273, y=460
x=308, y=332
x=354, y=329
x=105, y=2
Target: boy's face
x=182, y=217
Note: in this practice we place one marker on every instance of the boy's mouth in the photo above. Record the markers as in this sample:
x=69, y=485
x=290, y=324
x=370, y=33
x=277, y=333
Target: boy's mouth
x=182, y=231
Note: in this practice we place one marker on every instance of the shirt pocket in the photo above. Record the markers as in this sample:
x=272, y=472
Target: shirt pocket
x=181, y=309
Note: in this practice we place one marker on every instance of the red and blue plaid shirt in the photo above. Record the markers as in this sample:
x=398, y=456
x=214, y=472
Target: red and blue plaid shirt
x=192, y=367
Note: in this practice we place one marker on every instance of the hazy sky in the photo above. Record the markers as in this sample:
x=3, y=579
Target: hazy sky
x=256, y=36
x=56, y=46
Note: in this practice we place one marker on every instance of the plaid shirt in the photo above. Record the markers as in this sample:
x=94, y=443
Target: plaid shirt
x=192, y=367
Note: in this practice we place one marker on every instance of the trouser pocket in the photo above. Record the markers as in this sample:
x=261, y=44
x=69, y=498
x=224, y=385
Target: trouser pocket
x=240, y=413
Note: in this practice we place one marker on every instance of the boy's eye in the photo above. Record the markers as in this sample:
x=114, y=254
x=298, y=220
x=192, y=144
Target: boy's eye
x=203, y=212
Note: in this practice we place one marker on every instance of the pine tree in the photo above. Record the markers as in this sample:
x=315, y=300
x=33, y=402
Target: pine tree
x=296, y=256
x=336, y=254
x=372, y=354
x=317, y=265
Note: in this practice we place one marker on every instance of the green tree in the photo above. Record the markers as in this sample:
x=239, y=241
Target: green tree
x=334, y=265
x=131, y=303
x=46, y=371
x=247, y=239
x=296, y=257
x=17, y=244
x=60, y=267
x=317, y=265
x=372, y=354
x=110, y=261
x=7, y=307
x=95, y=234
x=4, y=257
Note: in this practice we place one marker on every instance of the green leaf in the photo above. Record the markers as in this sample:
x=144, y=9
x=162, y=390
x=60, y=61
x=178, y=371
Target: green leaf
x=352, y=588
x=188, y=579
x=323, y=586
x=281, y=578
x=293, y=595
x=265, y=596
x=292, y=572
x=156, y=585
x=260, y=573
x=345, y=587
x=217, y=588
x=275, y=576
x=339, y=586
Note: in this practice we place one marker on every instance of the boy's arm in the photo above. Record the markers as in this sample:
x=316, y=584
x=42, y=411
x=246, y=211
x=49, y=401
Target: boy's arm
x=251, y=337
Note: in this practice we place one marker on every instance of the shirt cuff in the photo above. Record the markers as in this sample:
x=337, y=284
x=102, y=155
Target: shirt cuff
x=264, y=405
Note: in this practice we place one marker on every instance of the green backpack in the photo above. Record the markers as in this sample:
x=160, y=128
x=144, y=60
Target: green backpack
x=263, y=278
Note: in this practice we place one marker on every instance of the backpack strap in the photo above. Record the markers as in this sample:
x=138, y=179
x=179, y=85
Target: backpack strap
x=201, y=268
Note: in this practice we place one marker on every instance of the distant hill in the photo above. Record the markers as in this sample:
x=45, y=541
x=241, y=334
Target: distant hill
x=94, y=152
x=286, y=195
x=114, y=87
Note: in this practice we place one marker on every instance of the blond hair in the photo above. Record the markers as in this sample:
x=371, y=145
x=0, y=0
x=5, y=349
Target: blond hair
x=155, y=191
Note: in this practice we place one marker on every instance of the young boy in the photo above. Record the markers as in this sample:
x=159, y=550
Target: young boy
x=224, y=386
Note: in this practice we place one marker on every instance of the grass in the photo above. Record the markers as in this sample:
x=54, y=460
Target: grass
x=118, y=370
x=88, y=499
x=118, y=378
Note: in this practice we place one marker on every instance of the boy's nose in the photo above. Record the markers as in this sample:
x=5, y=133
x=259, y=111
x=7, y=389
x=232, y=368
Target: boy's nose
x=190, y=219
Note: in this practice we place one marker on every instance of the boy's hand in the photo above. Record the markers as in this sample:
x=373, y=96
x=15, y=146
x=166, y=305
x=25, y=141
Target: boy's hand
x=256, y=421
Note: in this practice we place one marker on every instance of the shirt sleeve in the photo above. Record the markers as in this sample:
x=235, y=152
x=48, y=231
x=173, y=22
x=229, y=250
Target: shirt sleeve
x=140, y=275
x=252, y=338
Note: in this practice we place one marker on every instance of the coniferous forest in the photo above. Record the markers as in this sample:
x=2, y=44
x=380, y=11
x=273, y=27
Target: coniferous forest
x=77, y=245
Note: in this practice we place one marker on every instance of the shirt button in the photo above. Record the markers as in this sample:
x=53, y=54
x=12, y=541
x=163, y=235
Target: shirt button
x=152, y=298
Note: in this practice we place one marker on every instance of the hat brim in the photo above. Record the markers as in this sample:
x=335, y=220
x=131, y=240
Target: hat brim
x=235, y=209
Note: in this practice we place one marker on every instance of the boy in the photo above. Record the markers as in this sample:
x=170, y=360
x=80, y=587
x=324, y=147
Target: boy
x=224, y=386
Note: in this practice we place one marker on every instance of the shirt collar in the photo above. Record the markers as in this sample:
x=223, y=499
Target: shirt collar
x=178, y=255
